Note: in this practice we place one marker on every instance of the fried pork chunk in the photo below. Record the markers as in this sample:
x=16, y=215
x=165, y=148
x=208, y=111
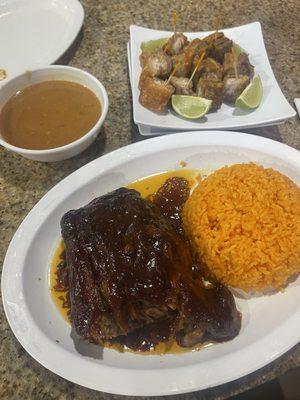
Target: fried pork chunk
x=211, y=89
x=182, y=86
x=175, y=44
x=155, y=94
x=220, y=47
x=185, y=59
x=237, y=75
x=211, y=69
x=156, y=63
x=233, y=87
x=243, y=66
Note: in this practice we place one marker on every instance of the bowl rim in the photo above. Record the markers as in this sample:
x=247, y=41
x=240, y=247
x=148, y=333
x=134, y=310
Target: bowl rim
x=61, y=149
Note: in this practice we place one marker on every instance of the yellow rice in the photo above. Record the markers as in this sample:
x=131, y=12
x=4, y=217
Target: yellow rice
x=244, y=222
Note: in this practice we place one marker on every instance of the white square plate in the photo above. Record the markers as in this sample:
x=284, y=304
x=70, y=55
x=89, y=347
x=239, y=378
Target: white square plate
x=147, y=130
x=274, y=107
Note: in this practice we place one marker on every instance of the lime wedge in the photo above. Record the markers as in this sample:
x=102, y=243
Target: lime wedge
x=152, y=45
x=190, y=107
x=251, y=96
x=237, y=49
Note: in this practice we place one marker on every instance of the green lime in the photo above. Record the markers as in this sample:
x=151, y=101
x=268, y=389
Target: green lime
x=251, y=96
x=152, y=45
x=237, y=49
x=190, y=107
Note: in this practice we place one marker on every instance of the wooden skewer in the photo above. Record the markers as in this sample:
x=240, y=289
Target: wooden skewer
x=218, y=23
x=196, y=68
x=173, y=73
x=234, y=62
x=174, y=20
x=174, y=17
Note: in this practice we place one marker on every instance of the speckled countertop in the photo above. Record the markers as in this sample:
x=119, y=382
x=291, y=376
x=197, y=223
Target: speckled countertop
x=101, y=50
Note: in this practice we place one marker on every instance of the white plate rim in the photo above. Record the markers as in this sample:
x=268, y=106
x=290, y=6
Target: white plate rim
x=129, y=382
x=64, y=45
x=290, y=112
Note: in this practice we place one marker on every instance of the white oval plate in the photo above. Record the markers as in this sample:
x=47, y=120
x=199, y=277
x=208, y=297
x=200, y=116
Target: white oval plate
x=35, y=33
x=270, y=326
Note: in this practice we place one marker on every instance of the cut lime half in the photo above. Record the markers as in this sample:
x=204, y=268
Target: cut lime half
x=237, y=49
x=251, y=96
x=152, y=45
x=190, y=107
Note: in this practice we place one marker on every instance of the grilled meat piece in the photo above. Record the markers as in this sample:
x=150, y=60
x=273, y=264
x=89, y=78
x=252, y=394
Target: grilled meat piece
x=182, y=86
x=123, y=260
x=156, y=63
x=175, y=44
x=155, y=94
x=211, y=89
x=131, y=275
x=243, y=66
x=207, y=312
x=233, y=87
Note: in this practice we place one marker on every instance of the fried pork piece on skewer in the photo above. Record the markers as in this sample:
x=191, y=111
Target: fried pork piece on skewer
x=182, y=86
x=185, y=59
x=219, y=45
x=155, y=94
x=243, y=66
x=157, y=63
x=212, y=37
x=175, y=44
x=237, y=75
x=233, y=87
x=210, y=69
x=212, y=90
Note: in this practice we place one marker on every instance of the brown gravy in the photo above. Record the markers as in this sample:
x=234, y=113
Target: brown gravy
x=49, y=114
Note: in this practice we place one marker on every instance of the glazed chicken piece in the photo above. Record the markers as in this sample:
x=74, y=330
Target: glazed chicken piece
x=175, y=44
x=243, y=66
x=233, y=87
x=211, y=89
x=155, y=94
x=182, y=86
x=157, y=63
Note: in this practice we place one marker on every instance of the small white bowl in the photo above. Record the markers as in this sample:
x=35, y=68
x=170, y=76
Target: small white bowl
x=56, y=72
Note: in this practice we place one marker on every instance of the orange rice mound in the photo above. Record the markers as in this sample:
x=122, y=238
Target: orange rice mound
x=244, y=222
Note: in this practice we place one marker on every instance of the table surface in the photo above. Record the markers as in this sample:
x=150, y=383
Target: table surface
x=101, y=50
